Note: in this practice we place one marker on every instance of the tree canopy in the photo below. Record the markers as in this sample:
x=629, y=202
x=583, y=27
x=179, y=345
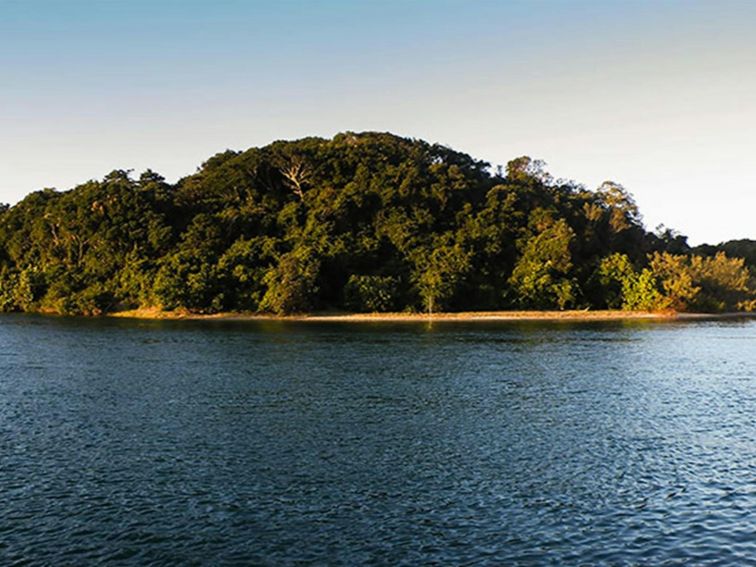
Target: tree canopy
x=361, y=222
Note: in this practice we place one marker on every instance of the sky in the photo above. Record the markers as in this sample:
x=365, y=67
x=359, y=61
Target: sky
x=659, y=96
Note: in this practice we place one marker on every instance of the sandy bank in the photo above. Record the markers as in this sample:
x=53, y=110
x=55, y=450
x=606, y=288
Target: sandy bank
x=576, y=315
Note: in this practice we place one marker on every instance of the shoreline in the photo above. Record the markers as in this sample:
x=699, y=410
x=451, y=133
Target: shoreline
x=570, y=315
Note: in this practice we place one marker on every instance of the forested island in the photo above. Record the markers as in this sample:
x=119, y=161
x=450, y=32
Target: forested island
x=367, y=222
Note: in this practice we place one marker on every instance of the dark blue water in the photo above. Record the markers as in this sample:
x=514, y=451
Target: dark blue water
x=270, y=443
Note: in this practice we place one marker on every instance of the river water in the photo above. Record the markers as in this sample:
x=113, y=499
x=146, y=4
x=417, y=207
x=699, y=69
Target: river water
x=147, y=442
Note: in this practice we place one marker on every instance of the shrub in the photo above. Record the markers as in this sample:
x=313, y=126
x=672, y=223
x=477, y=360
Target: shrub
x=371, y=293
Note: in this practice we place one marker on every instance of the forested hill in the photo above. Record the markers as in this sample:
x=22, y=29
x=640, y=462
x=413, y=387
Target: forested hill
x=361, y=222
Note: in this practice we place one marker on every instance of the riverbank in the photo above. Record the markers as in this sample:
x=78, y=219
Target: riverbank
x=573, y=315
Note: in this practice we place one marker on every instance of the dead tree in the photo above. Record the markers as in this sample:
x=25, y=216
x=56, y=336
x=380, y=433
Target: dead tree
x=296, y=173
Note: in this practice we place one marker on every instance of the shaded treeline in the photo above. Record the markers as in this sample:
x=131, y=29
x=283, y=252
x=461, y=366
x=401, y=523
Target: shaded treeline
x=362, y=222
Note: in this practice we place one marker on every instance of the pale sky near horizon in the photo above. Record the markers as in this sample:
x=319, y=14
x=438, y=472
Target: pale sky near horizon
x=659, y=96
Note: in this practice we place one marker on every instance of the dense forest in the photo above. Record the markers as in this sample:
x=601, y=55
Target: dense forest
x=360, y=222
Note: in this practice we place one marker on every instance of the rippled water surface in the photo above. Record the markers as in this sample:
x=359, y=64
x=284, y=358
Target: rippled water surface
x=270, y=443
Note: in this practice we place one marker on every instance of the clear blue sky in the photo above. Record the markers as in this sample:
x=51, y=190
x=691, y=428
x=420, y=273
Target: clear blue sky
x=658, y=95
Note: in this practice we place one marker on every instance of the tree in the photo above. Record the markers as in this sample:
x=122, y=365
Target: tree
x=623, y=211
x=673, y=272
x=438, y=271
x=296, y=173
x=541, y=276
x=292, y=284
x=362, y=221
x=371, y=293
x=617, y=276
x=628, y=289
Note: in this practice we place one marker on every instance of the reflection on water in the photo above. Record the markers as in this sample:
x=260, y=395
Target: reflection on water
x=272, y=442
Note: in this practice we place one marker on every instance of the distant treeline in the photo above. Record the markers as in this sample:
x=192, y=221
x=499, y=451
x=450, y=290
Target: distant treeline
x=362, y=222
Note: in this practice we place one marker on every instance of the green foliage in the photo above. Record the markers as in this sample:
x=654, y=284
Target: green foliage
x=541, y=278
x=744, y=248
x=437, y=272
x=371, y=293
x=724, y=281
x=628, y=289
x=622, y=211
x=28, y=289
x=292, y=284
x=20, y=290
x=701, y=283
x=617, y=276
x=676, y=279
x=244, y=265
x=368, y=222
x=186, y=281
x=641, y=293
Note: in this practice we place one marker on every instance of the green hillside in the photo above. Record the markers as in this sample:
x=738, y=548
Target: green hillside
x=360, y=222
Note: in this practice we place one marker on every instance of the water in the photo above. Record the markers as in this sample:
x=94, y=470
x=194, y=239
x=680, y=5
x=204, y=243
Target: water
x=126, y=442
